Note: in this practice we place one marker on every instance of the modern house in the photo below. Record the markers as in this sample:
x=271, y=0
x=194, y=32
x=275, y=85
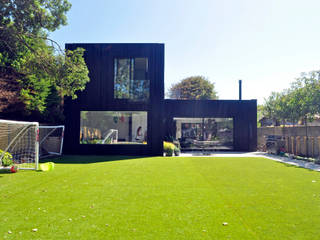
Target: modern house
x=123, y=110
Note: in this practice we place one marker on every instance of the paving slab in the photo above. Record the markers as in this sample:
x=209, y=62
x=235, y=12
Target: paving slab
x=287, y=160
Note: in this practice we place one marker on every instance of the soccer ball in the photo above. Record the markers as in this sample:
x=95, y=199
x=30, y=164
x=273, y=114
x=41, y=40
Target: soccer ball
x=14, y=169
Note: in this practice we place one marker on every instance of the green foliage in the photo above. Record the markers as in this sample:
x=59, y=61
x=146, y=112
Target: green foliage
x=300, y=102
x=196, y=87
x=7, y=159
x=33, y=15
x=72, y=73
x=168, y=148
x=260, y=114
x=22, y=20
x=52, y=113
x=48, y=74
x=169, y=152
x=3, y=59
x=176, y=151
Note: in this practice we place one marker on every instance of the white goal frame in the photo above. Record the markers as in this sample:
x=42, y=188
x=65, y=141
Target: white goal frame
x=54, y=128
x=112, y=134
x=13, y=145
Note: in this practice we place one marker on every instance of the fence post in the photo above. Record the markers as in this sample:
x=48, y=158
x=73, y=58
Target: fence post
x=305, y=143
x=292, y=145
x=312, y=146
x=318, y=138
x=297, y=146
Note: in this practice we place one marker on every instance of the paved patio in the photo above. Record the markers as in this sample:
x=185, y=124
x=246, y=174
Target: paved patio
x=291, y=161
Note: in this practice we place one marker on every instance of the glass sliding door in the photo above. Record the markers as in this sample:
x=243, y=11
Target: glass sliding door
x=204, y=133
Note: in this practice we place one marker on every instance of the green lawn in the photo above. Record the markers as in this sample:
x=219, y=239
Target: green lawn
x=161, y=198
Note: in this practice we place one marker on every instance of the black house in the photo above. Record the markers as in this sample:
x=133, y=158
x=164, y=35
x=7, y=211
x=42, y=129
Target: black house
x=123, y=110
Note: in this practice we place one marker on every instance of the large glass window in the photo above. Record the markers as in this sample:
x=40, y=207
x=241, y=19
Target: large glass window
x=131, y=80
x=204, y=133
x=109, y=127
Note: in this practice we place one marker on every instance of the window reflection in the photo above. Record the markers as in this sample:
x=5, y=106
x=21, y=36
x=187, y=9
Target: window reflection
x=108, y=127
x=131, y=79
x=204, y=133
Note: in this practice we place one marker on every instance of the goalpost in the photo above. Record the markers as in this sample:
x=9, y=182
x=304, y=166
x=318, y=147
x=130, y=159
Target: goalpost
x=21, y=140
x=50, y=140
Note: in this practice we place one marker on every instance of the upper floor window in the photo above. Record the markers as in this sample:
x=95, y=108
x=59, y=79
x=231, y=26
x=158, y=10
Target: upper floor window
x=131, y=79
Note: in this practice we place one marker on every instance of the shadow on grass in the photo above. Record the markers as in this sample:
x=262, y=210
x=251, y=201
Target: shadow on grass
x=85, y=159
x=4, y=171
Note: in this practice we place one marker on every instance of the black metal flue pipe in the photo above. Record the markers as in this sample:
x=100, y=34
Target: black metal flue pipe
x=240, y=89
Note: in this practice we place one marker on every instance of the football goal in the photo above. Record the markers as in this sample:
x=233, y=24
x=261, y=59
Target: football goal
x=21, y=140
x=50, y=140
x=110, y=137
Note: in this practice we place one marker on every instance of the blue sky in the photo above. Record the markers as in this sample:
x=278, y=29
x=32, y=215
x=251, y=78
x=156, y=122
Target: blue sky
x=267, y=44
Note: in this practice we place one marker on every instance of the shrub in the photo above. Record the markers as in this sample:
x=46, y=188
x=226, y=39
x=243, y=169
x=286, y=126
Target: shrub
x=176, y=151
x=168, y=148
x=169, y=152
x=7, y=159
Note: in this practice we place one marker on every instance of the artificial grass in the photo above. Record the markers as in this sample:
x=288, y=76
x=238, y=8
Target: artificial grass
x=161, y=198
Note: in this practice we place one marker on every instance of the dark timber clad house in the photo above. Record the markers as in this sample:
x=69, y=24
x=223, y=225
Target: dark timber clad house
x=123, y=110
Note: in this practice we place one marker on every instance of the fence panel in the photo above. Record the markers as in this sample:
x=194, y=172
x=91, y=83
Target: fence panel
x=296, y=141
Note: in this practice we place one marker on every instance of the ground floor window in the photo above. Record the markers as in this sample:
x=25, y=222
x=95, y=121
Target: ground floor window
x=204, y=133
x=113, y=127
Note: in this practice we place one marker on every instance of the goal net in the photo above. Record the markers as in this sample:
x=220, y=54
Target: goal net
x=20, y=139
x=50, y=140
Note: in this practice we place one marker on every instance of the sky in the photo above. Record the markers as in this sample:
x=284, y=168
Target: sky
x=265, y=43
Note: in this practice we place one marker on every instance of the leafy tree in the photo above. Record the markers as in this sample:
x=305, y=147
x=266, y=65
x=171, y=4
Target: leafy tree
x=37, y=78
x=48, y=73
x=271, y=106
x=196, y=87
x=23, y=20
x=300, y=101
x=307, y=95
x=260, y=114
x=71, y=73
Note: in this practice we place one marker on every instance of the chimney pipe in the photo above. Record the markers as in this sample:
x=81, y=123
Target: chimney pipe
x=240, y=89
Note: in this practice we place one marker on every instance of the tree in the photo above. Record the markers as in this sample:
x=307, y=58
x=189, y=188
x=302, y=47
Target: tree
x=47, y=73
x=300, y=102
x=196, y=87
x=260, y=114
x=306, y=91
x=22, y=21
x=272, y=108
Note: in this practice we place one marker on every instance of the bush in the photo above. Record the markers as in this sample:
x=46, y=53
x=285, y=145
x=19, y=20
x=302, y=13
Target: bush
x=168, y=148
x=7, y=159
x=176, y=151
x=169, y=152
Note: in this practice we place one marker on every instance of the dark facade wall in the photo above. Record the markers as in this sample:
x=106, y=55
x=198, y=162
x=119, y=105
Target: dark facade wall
x=99, y=96
x=243, y=112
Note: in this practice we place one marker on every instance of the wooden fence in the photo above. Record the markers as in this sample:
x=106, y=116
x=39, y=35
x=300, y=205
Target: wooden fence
x=296, y=141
